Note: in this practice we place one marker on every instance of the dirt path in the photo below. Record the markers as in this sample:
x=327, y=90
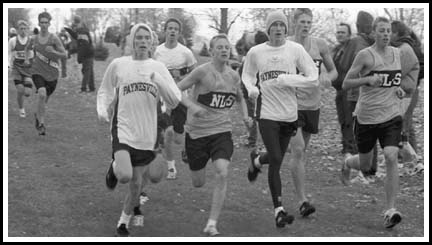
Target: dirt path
x=56, y=183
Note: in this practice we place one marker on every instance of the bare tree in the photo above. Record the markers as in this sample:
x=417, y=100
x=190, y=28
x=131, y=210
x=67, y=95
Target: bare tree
x=220, y=20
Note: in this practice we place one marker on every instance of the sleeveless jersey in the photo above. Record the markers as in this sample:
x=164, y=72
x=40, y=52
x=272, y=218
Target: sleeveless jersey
x=310, y=98
x=217, y=92
x=19, y=56
x=380, y=104
x=42, y=65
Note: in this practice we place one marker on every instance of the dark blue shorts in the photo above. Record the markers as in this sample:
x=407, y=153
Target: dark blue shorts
x=200, y=150
x=40, y=82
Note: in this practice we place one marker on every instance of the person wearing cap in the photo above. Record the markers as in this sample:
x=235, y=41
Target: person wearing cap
x=276, y=63
x=180, y=61
x=127, y=97
x=48, y=50
x=20, y=72
x=309, y=102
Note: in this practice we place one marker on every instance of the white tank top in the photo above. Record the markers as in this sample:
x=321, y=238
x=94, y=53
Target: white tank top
x=380, y=104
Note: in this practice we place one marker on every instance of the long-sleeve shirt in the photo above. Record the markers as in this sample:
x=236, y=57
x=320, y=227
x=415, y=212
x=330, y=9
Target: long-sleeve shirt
x=277, y=68
x=128, y=88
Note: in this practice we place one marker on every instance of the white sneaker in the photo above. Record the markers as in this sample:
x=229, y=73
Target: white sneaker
x=211, y=230
x=22, y=113
x=143, y=198
x=345, y=170
x=138, y=220
x=172, y=173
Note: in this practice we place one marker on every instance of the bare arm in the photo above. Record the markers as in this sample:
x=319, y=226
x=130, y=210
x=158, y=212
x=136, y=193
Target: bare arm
x=327, y=77
x=353, y=79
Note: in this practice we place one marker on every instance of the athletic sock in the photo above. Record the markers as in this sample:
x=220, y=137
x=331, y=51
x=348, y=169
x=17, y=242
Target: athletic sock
x=257, y=162
x=211, y=222
x=278, y=209
x=124, y=219
x=171, y=164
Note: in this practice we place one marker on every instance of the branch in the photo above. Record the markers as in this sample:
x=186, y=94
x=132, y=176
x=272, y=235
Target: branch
x=388, y=13
x=214, y=27
x=232, y=22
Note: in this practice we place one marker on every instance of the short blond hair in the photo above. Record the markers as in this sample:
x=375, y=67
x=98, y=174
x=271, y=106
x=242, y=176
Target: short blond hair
x=217, y=37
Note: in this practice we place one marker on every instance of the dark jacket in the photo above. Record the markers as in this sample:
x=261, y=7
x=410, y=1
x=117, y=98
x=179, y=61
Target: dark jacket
x=85, y=44
x=417, y=50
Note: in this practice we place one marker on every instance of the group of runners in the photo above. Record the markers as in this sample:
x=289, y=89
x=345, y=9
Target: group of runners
x=158, y=95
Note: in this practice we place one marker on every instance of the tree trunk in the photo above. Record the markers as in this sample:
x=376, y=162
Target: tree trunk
x=224, y=21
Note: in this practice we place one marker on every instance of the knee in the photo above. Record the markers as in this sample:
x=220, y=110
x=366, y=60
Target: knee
x=20, y=90
x=390, y=155
x=222, y=175
x=178, y=138
x=169, y=134
x=198, y=183
x=297, y=151
x=123, y=176
x=42, y=94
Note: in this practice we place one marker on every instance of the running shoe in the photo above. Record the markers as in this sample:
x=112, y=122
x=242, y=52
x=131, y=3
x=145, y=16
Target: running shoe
x=306, y=209
x=391, y=218
x=110, y=178
x=253, y=174
x=283, y=219
x=211, y=230
x=122, y=231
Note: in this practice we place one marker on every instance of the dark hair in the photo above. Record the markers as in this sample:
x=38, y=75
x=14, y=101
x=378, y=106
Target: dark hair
x=300, y=11
x=260, y=37
x=35, y=31
x=403, y=30
x=379, y=19
x=173, y=20
x=44, y=15
x=347, y=25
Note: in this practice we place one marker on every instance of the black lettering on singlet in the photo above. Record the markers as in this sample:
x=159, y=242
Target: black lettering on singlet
x=317, y=62
x=217, y=100
x=270, y=75
x=389, y=78
x=146, y=87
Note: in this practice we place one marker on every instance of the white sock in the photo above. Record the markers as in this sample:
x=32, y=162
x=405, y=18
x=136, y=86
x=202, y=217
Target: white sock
x=211, y=222
x=21, y=110
x=256, y=162
x=278, y=209
x=171, y=164
x=124, y=219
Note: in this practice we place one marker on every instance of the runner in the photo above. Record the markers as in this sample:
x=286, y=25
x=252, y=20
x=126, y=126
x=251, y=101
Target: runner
x=20, y=72
x=180, y=61
x=128, y=95
x=215, y=87
x=45, y=67
x=309, y=102
x=377, y=71
x=276, y=62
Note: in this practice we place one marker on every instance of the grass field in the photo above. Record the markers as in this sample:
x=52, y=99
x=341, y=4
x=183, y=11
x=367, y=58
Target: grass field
x=56, y=183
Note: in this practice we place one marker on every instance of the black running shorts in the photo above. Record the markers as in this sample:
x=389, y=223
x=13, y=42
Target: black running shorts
x=40, y=82
x=200, y=150
x=388, y=134
x=138, y=157
x=178, y=118
x=308, y=120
